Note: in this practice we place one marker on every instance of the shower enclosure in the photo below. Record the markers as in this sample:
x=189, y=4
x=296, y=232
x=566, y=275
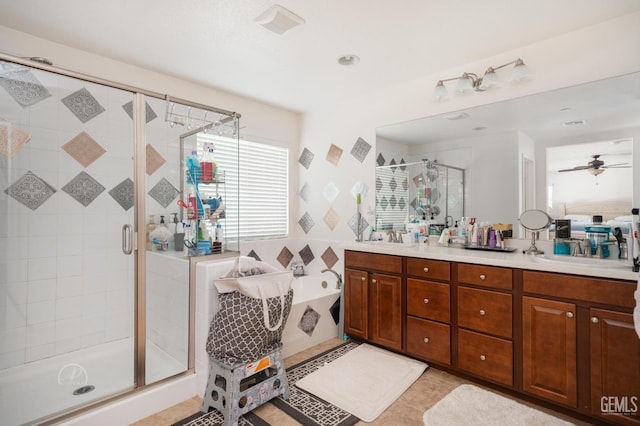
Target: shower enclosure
x=87, y=313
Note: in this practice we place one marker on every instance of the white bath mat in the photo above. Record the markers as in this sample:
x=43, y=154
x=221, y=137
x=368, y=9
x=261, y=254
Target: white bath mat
x=365, y=381
x=471, y=405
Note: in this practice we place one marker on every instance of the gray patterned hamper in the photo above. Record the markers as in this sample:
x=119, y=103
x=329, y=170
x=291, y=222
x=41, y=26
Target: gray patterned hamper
x=246, y=367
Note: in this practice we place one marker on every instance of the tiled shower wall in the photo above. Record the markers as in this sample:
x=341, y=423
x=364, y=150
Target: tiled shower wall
x=67, y=150
x=66, y=181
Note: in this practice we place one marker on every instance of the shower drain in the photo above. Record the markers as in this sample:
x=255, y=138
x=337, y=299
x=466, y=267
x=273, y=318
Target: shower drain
x=84, y=389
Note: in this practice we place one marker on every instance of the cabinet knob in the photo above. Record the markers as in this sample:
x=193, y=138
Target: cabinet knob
x=426, y=301
x=426, y=340
x=595, y=320
x=482, y=357
x=363, y=279
x=425, y=269
x=483, y=277
x=569, y=314
x=373, y=281
x=482, y=312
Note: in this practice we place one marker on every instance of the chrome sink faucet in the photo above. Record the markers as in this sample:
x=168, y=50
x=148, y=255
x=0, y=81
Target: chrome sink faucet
x=338, y=277
x=392, y=236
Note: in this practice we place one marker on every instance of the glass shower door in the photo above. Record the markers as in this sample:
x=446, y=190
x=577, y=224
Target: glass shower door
x=66, y=285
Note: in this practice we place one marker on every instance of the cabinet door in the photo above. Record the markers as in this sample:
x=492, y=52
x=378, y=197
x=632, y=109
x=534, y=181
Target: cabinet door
x=356, y=303
x=386, y=310
x=615, y=367
x=549, y=350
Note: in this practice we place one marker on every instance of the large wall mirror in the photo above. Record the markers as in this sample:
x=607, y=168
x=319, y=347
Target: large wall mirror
x=570, y=152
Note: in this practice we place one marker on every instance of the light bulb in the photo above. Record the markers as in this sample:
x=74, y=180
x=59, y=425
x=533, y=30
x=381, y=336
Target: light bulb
x=490, y=79
x=520, y=71
x=440, y=92
x=465, y=84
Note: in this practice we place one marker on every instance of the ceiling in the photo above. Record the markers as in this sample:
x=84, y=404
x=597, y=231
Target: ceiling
x=216, y=42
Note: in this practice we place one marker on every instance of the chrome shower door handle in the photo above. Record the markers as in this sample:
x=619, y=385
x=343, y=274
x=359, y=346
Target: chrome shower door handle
x=127, y=239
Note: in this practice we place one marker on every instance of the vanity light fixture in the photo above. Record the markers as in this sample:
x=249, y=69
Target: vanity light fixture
x=469, y=82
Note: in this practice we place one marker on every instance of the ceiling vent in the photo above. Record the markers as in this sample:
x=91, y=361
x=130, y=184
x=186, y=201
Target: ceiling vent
x=278, y=20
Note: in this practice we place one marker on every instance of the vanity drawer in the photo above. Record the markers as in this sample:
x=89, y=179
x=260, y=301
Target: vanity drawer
x=426, y=268
x=486, y=276
x=372, y=261
x=428, y=299
x=486, y=356
x=429, y=340
x=485, y=311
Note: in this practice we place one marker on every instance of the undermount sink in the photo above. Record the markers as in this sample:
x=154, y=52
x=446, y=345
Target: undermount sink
x=586, y=261
x=389, y=244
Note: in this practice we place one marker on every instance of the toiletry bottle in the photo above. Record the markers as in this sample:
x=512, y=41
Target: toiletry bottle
x=151, y=225
x=194, y=173
x=207, y=163
x=219, y=234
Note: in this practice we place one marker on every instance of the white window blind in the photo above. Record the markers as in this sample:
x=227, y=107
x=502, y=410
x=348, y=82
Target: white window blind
x=391, y=198
x=257, y=202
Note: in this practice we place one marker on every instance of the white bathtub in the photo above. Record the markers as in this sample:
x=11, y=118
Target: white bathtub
x=308, y=292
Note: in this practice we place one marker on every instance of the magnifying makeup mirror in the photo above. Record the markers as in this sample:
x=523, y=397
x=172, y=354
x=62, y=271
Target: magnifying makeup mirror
x=534, y=221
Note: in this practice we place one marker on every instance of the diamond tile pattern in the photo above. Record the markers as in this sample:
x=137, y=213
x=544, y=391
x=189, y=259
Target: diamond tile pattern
x=84, y=149
x=30, y=190
x=334, y=154
x=24, y=87
x=380, y=160
x=12, y=139
x=384, y=203
x=305, y=192
x=83, y=105
x=306, y=223
x=378, y=184
x=329, y=257
x=403, y=168
x=309, y=320
x=330, y=192
x=149, y=112
x=253, y=254
x=154, y=160
x=405, y=184
x=284, y=257
x=331, y=218
x=360, y=149
x=306, y=158
x=123, y=194
x=83, y=188
x=353, y=223
x=306, y=255
x=163, y=192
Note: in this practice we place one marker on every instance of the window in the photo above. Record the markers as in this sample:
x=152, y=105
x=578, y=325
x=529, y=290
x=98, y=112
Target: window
x=261, y=189
x=391, y=198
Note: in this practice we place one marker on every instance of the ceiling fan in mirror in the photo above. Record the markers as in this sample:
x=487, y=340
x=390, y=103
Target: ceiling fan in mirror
x=597, y=166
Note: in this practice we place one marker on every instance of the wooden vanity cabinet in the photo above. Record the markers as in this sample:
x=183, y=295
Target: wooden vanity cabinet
x=485, y=318
x=374, y=298
x=563, y=325
x=429, y=310
x=615, y=366
x=549, y=350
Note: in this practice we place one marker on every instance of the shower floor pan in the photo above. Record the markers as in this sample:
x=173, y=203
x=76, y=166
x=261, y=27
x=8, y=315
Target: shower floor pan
x=37, y=389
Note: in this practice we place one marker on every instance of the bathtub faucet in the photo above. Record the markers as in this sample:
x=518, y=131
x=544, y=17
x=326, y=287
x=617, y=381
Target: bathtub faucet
x=338, y=277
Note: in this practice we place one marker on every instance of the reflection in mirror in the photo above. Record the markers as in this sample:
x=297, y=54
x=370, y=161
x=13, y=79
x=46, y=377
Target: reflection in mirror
x=581, y=187
x=505, y=149
x=435, y=191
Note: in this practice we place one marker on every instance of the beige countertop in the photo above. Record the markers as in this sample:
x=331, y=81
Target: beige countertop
x=592, y=267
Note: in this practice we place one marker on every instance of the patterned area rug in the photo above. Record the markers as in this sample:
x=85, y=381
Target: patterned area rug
x=304, y=407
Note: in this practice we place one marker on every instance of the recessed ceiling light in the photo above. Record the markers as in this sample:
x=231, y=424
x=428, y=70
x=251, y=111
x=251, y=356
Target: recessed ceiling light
x=348, y=60
x=574, y=123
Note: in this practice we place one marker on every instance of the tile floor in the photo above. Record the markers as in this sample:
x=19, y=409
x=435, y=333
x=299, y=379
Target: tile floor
x=430, y=388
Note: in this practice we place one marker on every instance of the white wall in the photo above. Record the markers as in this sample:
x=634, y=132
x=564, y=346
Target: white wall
x=605, y=50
